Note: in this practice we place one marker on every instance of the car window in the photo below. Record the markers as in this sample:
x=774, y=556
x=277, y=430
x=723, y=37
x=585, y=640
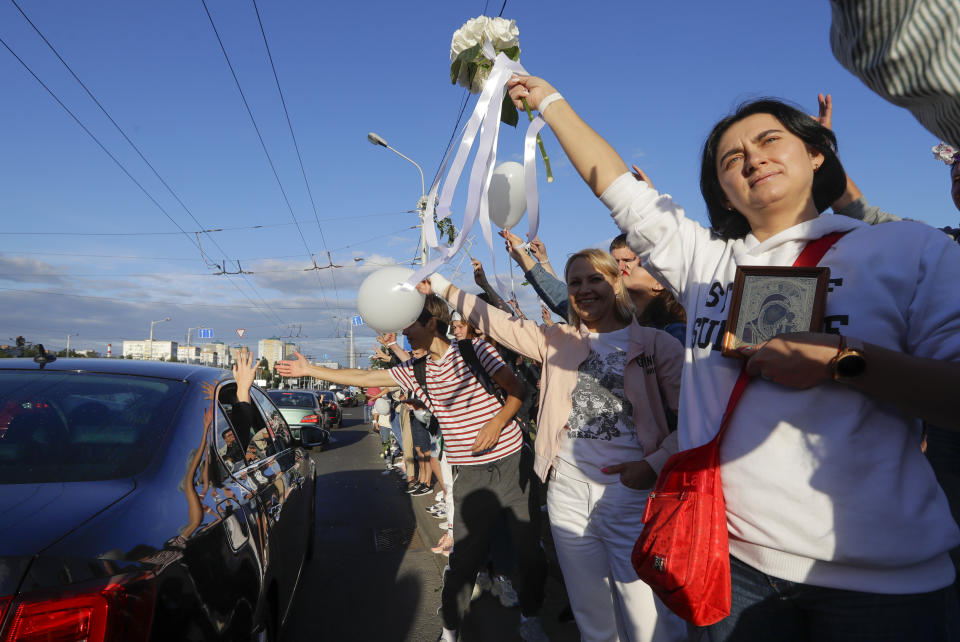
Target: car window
x=229, y=448
x=275, y=421
x=288, y=399
x=78, y=426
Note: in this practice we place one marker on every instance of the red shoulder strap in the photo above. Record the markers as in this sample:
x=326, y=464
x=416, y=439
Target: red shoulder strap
x=810, y=256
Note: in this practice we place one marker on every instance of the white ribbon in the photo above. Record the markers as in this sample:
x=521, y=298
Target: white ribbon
x=483, y=127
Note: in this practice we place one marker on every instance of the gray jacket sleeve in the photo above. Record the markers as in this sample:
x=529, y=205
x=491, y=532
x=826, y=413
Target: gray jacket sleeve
x=551, y=290
x=861, y=210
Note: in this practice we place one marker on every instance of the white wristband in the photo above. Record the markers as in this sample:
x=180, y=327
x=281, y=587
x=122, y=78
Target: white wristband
x=546, y=102
x=439, y=283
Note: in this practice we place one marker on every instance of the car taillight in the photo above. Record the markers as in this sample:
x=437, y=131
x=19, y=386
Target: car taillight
x=310, y=419
x=117, y=610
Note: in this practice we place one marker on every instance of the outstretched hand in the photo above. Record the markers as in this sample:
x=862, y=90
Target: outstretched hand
x=640, y=175
x=244, y=371
x=425, y=288
x=296, y=368
x=530, y=87
x=545, y=314
x=825, y=117
x=479, y=276
x=539, y=250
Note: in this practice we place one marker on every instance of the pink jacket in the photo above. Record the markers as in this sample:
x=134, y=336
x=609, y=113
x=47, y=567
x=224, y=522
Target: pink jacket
x=651, y=379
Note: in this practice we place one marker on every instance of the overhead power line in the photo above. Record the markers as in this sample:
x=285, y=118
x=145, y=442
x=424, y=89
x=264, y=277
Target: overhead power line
x=296, y=146
x=195, y=241
x=253, y=121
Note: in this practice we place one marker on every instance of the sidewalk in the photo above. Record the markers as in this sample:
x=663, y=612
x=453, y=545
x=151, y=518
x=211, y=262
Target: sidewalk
x=487, y=619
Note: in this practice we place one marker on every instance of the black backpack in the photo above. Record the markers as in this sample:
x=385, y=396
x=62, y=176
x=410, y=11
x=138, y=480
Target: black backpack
x=469, y=354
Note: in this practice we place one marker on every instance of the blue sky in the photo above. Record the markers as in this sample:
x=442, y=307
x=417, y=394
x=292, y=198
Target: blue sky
x=83, y=249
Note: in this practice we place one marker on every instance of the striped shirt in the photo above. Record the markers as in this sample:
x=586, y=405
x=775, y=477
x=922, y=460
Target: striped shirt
x=908, y=51
x=460, y=404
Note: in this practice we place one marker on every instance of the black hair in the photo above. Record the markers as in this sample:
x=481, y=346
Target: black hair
x=829, y=182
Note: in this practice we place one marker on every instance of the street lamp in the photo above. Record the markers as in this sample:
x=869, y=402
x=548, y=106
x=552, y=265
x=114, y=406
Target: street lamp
x=378, y=140
x=75, y=334
x=153, y=323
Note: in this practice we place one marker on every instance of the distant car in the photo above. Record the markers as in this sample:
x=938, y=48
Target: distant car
x=142, y=502
x=300, y=409
x=332, y=405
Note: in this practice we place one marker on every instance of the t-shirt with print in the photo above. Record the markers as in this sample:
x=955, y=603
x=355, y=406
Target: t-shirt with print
x=460, y=404
x=601, y=431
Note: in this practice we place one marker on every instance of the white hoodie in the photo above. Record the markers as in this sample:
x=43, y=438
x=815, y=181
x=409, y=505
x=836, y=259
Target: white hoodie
x=825, y=486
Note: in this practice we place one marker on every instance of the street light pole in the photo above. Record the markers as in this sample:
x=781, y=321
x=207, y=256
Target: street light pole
x=376, y=139
x=153, y=323
x=75, y=334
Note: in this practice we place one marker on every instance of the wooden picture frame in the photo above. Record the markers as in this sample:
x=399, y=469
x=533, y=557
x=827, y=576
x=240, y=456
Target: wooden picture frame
x=768, y=301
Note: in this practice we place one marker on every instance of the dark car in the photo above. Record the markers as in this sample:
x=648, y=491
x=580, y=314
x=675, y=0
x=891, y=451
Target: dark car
x=141, y=502
x=331, y=405
x=302, y=409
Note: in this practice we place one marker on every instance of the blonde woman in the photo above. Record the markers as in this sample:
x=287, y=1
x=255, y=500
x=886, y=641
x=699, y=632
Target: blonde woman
x=606, y=386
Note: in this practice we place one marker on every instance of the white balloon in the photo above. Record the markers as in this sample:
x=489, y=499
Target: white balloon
x=384, y=305
x=507, y=194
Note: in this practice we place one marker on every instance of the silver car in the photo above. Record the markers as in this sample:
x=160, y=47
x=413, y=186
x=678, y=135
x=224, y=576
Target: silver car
x=300, y=408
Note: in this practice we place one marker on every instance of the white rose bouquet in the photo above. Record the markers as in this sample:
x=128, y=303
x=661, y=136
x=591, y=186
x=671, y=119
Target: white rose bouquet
x=470, y=67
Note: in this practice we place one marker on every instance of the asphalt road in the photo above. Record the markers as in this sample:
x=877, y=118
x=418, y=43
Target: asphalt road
x=373, y=576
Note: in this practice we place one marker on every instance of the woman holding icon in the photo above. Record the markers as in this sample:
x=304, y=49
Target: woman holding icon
x=838, y=529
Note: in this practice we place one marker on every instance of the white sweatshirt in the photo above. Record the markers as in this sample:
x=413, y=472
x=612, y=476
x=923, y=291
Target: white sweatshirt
x=823, y=486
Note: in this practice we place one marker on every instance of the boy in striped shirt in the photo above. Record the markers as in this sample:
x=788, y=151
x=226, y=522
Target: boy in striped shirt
x=484, y=444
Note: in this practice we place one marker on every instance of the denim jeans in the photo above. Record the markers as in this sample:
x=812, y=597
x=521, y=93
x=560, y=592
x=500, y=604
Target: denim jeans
x=768, y=608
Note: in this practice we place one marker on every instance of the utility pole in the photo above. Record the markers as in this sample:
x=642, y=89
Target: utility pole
x=353, y=354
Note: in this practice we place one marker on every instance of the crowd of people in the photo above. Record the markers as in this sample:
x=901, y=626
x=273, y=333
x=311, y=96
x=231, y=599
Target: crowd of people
x=839, y=526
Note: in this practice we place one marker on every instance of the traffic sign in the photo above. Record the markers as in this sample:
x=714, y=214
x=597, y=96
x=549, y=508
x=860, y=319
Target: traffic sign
x=357, y=320
x=204, y=333
x=241, y=332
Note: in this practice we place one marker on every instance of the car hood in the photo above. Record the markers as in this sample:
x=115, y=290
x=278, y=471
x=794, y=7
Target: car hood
x=37, y=515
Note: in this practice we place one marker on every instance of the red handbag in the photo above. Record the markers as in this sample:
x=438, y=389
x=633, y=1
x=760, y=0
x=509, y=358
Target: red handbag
x=683, y=552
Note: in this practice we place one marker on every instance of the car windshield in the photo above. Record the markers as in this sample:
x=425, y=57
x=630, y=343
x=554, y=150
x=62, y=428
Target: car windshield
x=68, y=426
x=286, y=399
x=328, y=396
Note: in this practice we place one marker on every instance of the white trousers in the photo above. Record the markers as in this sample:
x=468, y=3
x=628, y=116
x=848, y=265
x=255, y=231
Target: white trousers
x=447, y=471
x=594, y=529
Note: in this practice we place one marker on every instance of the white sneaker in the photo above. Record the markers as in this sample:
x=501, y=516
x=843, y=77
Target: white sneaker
x=532, y=631
x=444, y=526
x=481, y=584
x=439, y=496
x=502, y=589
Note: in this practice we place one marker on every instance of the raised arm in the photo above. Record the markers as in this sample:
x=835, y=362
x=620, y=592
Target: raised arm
x=539, y=251
x=525, y=337
x=550, y=289
x=300, y=367
x=480, y=278
x=389, y=340
x=593, y=157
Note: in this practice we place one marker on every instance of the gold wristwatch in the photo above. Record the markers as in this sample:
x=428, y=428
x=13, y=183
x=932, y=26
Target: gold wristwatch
x=850, y=361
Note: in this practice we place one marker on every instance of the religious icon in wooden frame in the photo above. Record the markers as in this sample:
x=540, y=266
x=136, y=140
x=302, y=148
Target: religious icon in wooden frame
x=768, y=301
